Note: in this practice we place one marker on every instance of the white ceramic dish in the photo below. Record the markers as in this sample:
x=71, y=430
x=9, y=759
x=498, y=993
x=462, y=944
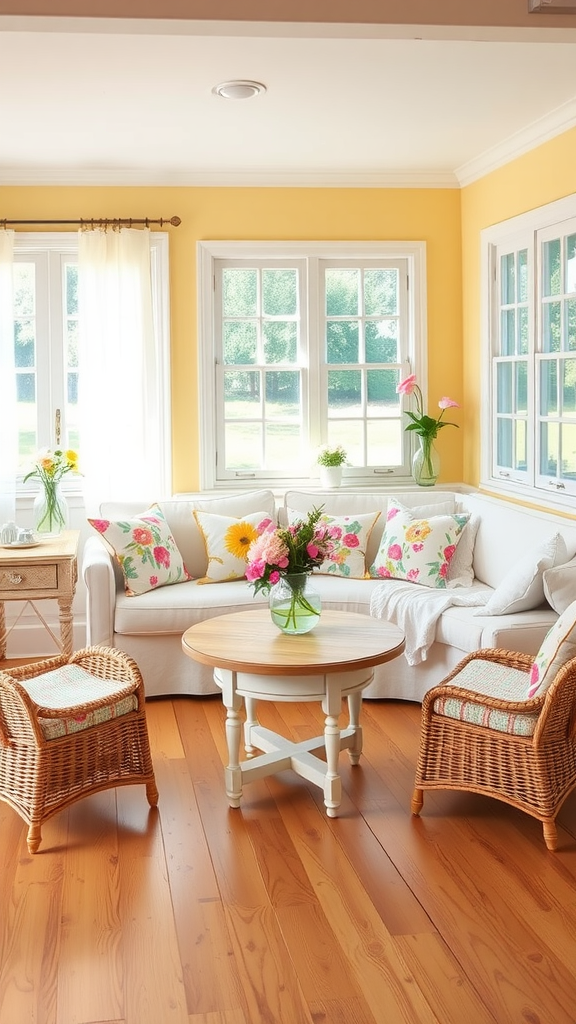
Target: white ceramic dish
x=22, y=544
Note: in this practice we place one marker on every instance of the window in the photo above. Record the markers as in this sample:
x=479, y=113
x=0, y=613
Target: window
x=46, y=332
x=45, y=344
x=529, y=425
x=303, y=344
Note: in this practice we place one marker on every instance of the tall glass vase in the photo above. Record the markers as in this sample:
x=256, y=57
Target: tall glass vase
x=294, y=604
x=50, y=511
x=426, y=463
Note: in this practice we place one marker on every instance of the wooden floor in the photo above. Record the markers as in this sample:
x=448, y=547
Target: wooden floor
x=276, y=914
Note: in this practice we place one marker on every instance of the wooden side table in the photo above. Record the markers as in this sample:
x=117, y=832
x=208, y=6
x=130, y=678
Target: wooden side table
x=46, y=572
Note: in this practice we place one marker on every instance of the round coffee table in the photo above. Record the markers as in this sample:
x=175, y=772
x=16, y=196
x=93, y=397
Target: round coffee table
x=254, y=661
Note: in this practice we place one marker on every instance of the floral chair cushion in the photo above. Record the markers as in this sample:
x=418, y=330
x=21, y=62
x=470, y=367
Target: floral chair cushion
x=418, y=550
x=349, y=536
x=227, y=540
x=71, y=687
x=145, y=551
x=558, y=647
x=493, y=680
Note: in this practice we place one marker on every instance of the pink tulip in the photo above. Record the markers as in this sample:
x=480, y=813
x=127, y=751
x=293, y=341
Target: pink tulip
x=406, y=387
x=448, y=403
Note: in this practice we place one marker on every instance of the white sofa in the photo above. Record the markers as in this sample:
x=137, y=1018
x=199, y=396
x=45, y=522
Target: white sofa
x=149, y=627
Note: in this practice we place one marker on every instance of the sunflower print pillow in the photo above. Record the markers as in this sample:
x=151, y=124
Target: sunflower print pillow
x=227, y=540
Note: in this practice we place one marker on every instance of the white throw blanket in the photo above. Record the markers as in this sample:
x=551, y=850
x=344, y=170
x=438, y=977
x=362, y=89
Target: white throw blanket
x=416, y=609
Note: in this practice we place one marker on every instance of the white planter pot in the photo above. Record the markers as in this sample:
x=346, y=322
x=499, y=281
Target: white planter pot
x=330, y=476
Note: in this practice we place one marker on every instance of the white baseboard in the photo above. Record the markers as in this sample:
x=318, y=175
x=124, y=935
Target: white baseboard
x=31, y=640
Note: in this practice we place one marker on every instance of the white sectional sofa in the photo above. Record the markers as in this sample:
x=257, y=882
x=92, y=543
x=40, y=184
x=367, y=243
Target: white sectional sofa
x=149, y=627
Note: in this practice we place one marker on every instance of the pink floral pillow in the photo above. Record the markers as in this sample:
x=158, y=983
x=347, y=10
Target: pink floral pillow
x=145, y=551
x=418, y=550
x=558, y=647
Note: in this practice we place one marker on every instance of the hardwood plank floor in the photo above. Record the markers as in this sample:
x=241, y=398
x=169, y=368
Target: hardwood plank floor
x=273, y=913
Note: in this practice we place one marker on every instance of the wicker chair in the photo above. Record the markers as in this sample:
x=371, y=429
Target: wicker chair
x=532, y=766
x=55, y=750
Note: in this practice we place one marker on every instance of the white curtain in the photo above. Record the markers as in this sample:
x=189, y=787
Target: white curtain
x=8, y=418
x=118, y=401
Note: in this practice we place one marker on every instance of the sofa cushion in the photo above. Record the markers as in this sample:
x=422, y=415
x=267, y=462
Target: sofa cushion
x=171, y=610
x=418, y=550
x=523, y=588
x=144, y=549
x=560, y=585
x=558, y=647
x=227, y=540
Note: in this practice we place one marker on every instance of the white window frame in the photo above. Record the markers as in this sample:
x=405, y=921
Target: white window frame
x=50, y=250
x=527, y=230
x=311, y=254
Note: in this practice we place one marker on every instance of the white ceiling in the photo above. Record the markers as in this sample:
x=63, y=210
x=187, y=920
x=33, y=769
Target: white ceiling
x=92, y=101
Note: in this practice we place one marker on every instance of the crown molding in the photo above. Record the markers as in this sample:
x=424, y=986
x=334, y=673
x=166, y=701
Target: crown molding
x=10, y=177
x=554, y=123
x=536, y=33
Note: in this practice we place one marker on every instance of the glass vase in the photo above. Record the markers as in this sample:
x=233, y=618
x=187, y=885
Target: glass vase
x=294, y=604
x=50, y=511
x=426, y=463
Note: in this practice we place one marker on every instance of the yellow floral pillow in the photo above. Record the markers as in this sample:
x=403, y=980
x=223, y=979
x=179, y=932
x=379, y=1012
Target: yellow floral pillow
x=227, y=540
x=418, y=550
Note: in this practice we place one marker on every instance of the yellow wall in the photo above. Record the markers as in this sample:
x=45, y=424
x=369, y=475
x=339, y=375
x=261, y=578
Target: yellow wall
x=430, y=215
x=539, y=177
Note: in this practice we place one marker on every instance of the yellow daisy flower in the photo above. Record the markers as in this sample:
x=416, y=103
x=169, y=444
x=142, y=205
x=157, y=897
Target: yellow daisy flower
x=238, y=539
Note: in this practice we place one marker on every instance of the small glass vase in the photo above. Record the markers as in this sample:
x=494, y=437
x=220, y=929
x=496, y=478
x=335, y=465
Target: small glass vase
x=50, y=511
x=426, y=463
x=295, y=606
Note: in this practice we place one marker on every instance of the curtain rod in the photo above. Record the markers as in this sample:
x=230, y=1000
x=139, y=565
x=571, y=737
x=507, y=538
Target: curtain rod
x=103, y=222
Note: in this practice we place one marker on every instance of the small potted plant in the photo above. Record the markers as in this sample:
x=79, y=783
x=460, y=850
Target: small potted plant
x=331, y=458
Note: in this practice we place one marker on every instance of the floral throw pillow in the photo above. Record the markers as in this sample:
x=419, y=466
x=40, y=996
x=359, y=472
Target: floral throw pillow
x=418, y=550
x=145, y=551
x=558, y=646
x=227, y=540
x=349, y=536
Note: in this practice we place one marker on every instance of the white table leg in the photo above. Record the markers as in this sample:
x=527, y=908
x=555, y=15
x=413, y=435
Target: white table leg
x=332, y=706
x=354, y=709
x=232, y=702
x=250, y=723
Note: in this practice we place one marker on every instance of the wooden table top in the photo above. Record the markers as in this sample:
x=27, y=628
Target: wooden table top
x=63, y=546
x=248, y=641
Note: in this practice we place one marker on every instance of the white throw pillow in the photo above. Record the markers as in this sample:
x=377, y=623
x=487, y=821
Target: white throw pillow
x=560, y=585
x=461, y=570
x=522, y=589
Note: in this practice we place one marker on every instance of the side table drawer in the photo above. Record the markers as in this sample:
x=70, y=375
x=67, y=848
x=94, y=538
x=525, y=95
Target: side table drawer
x=28, y=577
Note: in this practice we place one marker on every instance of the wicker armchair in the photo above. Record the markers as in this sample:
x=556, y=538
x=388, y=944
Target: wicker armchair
x=531, y=766
x=70, y=727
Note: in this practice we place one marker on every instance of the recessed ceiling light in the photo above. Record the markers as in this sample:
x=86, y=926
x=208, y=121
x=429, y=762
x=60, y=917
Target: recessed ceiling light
x=239, y=89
